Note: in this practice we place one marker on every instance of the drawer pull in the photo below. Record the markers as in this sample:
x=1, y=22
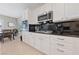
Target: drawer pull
x=60, y=50
x=60, y=44
x=60, y=39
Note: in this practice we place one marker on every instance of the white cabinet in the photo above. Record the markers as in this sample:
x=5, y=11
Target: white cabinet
x=58, y=12
x=52, y=44
x=71, y=10
x=57, y=47
x=62, y=45
x=31, y=21
x=25, y=37
x=76, y=46
x=37, y=43
x=32, y=39
x=42, y=43
x=28, y=38
x=45, y=43
x=65, y=11
x=65, y=45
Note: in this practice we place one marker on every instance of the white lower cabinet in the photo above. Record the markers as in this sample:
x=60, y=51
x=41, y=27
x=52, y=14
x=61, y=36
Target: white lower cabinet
x=37, y=42
x=52, y=44
x=76, y=46
x=45, y=44
x=61, y=45
x=28, y=38
x=25, y=37
x=56, y=48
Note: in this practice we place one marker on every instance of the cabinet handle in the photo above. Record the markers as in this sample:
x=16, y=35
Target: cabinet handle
x=59, y=44
x=60, y=50
x=60, y=39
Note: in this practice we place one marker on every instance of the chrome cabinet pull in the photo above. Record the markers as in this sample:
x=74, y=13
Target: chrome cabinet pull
x=60, y=39
x=59, y=44
x=60, y=50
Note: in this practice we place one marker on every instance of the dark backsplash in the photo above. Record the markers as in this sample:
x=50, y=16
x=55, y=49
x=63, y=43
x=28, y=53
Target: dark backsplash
x=68, y=28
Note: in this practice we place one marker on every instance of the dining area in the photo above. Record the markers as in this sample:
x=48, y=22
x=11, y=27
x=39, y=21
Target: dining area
x=8, y=33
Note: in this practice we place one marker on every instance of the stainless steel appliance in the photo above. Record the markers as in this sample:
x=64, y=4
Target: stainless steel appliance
x=69, y=27
x=34, y=27
x=46, y=17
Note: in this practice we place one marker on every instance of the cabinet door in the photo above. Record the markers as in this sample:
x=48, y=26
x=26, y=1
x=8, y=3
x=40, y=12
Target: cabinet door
x=58, y=12
x=71, y=10
x=31, y=38
x=37, y=42
x=65, y=45
x=45, y=44
x=76, y=46
x=52, y=45
x=25, y=37
x=28, y=38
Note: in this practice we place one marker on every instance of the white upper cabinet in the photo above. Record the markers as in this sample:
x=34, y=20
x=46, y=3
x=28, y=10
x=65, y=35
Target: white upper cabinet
x=65, y=11
x=71, y=10
x=58, y=12
x=61, y=12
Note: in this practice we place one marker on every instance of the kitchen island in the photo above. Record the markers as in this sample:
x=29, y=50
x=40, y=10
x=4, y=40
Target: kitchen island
x=52, y=44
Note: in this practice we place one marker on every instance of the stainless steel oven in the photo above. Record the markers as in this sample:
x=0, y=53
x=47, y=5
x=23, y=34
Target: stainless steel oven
x=70, y=27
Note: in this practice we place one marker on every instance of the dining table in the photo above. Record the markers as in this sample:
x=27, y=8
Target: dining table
x=7, y=33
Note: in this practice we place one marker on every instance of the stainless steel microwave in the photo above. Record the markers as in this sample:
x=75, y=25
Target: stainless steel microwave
x=45, y=17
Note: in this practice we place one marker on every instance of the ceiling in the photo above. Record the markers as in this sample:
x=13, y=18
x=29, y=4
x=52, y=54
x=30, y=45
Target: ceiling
x=16, y=9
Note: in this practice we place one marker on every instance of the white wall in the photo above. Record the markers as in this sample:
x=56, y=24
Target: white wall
x=12, y=9
x=5, y=20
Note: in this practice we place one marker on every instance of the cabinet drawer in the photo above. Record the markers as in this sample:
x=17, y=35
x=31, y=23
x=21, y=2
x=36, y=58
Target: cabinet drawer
x=60, y=44
x=62, y=51
x=65, y=45
x=59, y=51
x=68, y=48
x=65, y=40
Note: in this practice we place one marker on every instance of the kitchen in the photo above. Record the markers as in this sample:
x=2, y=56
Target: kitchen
x=43, y=28
x=54, y=29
